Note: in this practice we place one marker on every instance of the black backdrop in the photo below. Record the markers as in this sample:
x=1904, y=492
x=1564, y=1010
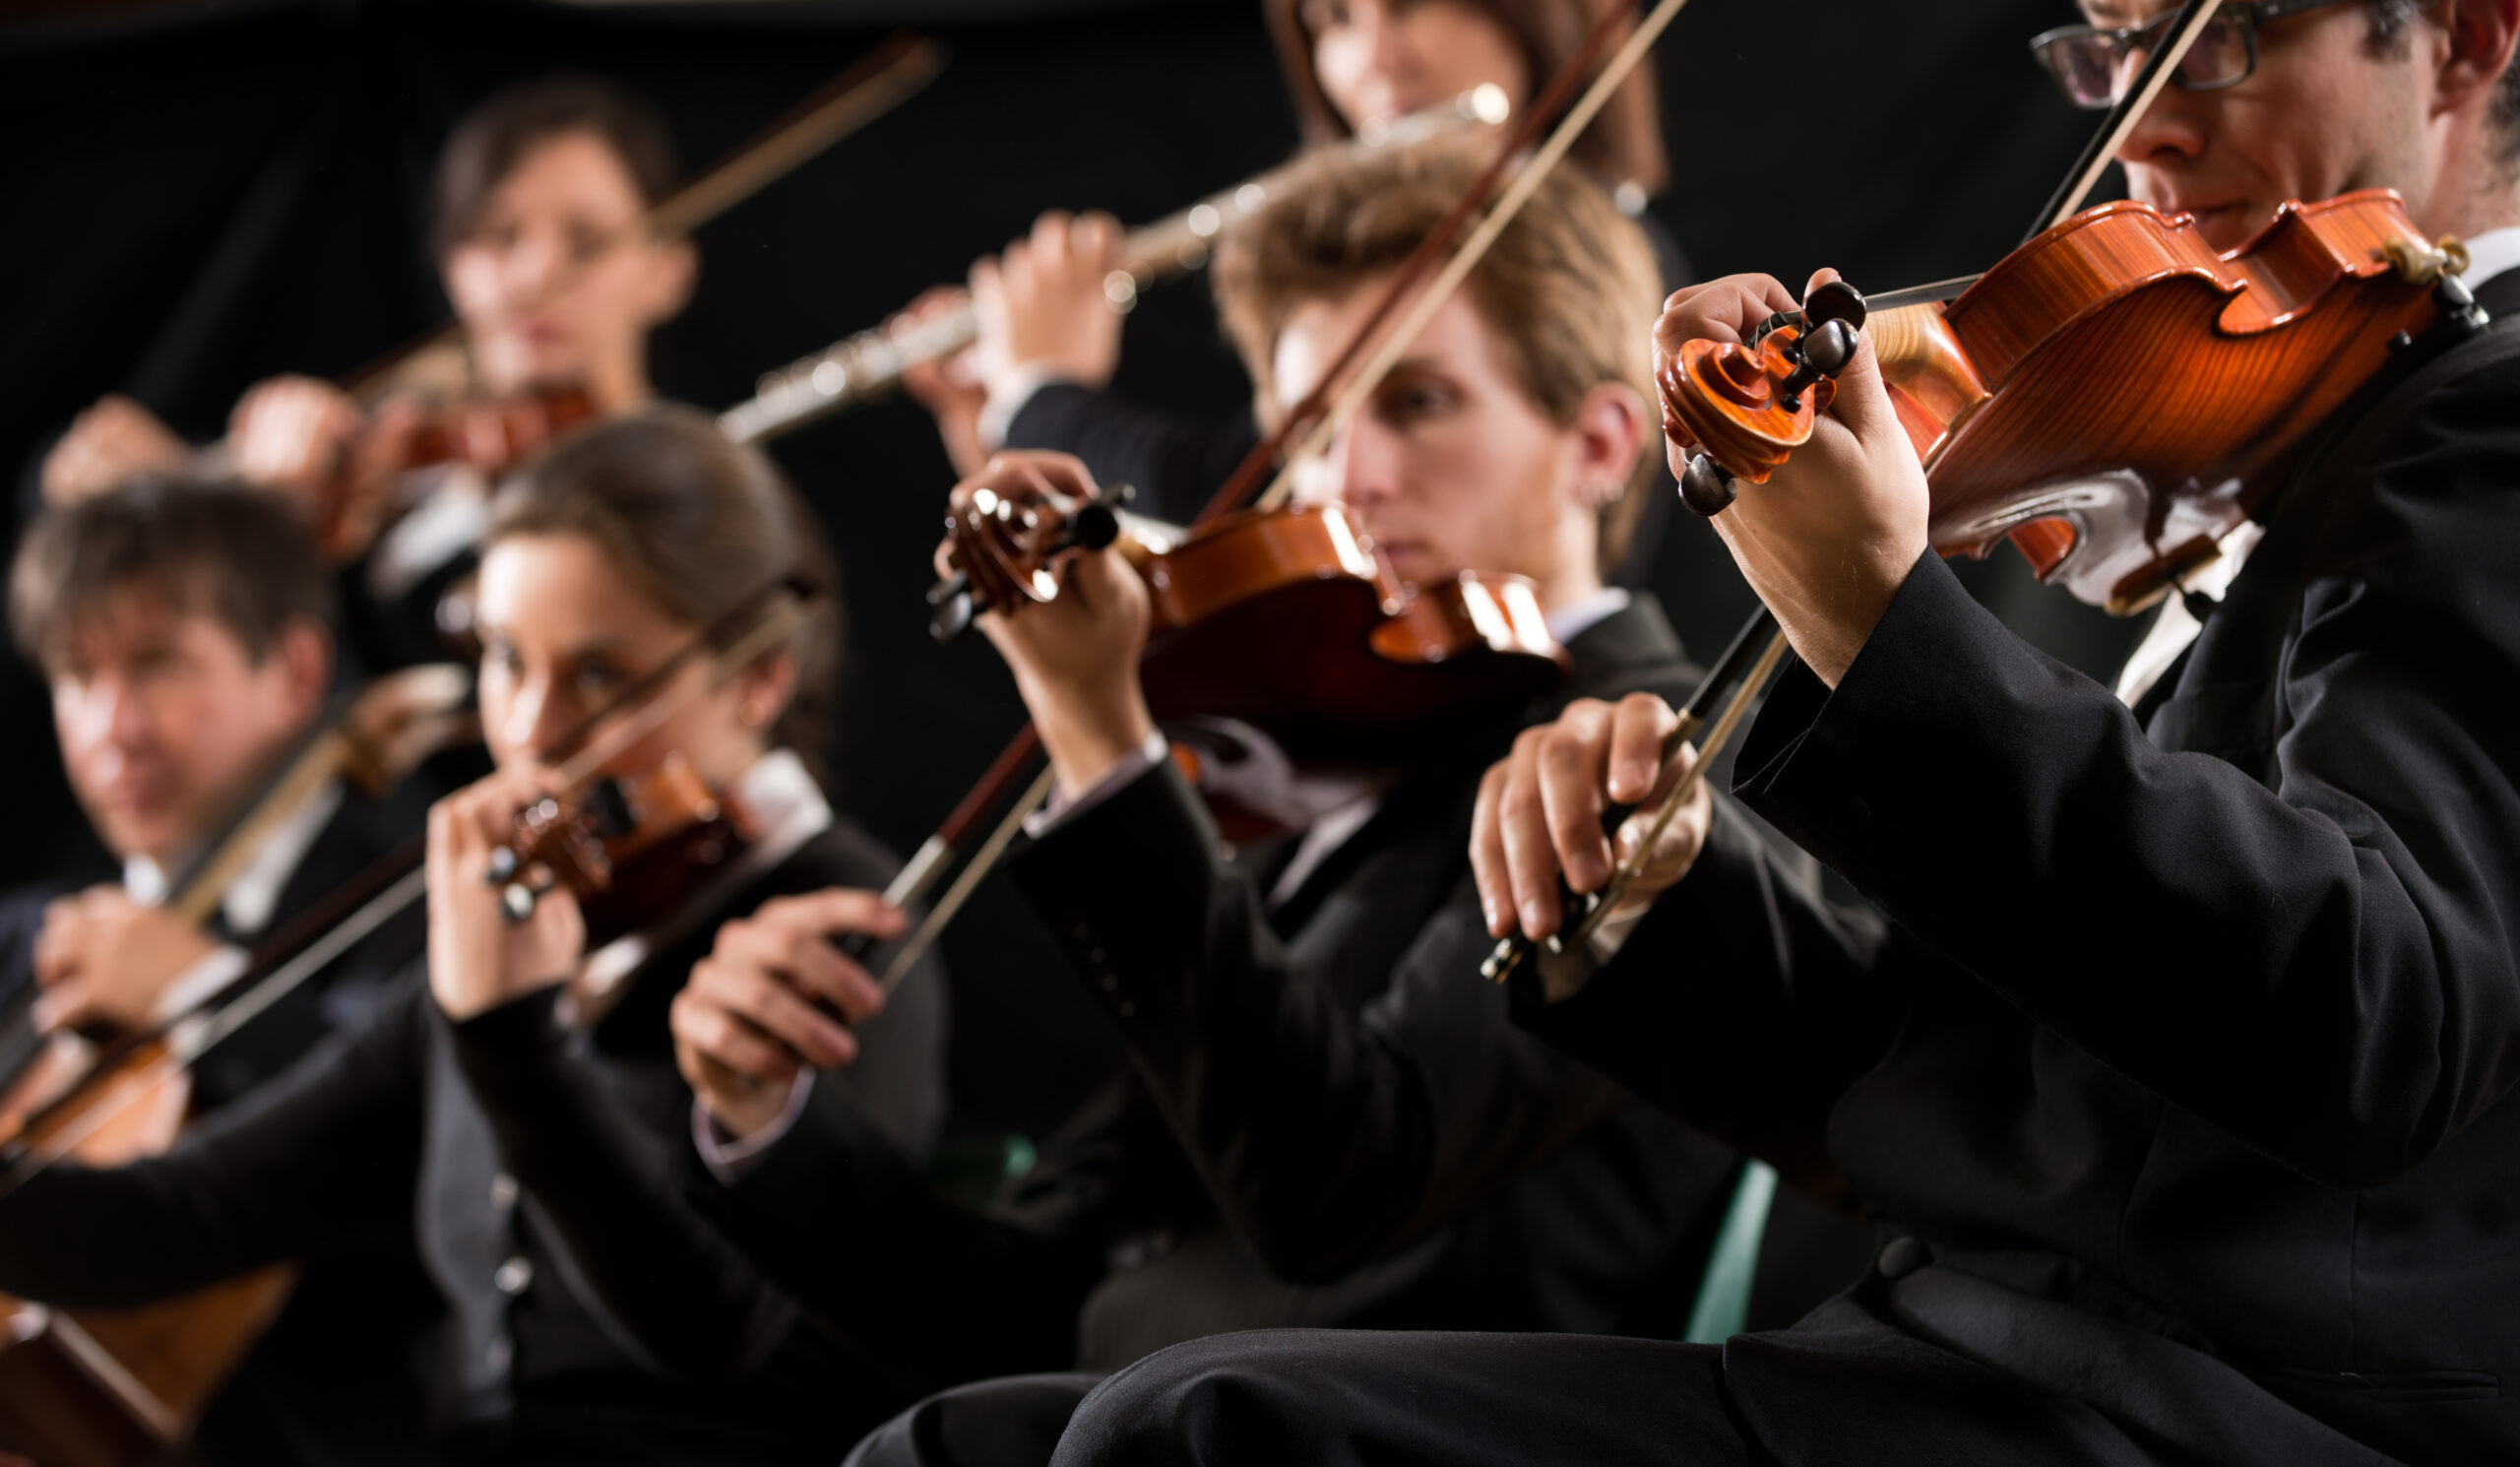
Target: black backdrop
x=203, y=194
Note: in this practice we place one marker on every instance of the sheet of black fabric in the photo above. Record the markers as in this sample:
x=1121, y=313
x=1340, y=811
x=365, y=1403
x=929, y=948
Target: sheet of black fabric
x=596, y=1313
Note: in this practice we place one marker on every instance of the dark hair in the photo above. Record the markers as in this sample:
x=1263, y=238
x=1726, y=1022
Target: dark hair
x=490, y=139
x=243, y=555
x=1622, y=145
x=2388, y=38
x=1569, y=289
x=701, y=523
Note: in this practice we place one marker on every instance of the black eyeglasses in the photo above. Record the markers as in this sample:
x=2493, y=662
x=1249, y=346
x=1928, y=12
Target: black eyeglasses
x=2087, y=61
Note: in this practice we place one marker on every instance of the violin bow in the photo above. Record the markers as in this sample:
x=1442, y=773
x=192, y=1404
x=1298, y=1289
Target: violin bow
x=1590, y=908
x=749, y=630
x=1443, y=256
x=871, y=86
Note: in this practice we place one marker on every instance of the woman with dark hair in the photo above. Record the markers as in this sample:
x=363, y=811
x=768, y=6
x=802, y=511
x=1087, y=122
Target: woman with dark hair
x=532, y=230
x=517, y=1102
x=1039, y=376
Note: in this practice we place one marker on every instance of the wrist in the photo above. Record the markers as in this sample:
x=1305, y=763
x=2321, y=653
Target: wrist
x=1087, y=736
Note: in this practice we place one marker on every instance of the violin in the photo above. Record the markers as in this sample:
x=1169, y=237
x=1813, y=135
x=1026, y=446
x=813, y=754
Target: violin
x=490, y=435
x=1285, y=619
x=127, y=1385
x=628, y=847
x=2114, y=397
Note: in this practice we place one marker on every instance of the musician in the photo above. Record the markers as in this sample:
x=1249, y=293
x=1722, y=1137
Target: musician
x=531, y=210
x=1040, y=375
x=529, y=1140
x=2178, y=1076
x=185, y=635
x=1322, y=1123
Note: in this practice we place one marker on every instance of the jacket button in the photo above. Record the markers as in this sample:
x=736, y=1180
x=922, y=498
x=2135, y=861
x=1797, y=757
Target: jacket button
x=503, y=1191
x=497, y=1354
x=514, y=1276
x=1903, y=1256
x=1126, y=1009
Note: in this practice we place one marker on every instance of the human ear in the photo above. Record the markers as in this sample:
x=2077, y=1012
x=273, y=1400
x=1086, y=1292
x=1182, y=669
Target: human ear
x=2482, y=36
x=673, y=272
x=1609, y=432
x=304, y=650
x=763, y=689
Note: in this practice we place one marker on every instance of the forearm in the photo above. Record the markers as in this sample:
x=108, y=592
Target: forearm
x=683, y=1291
x=2306, y=966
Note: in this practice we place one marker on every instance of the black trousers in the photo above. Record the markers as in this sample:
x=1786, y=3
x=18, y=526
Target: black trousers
x=1935, y=1369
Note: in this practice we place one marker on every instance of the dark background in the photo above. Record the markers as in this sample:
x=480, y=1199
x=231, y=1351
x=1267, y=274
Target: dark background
x=200, y=195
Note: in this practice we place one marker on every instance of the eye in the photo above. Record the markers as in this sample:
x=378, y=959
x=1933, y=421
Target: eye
x=499, y=655
x=1416, y=400
x=595, y=677
x=585, y=242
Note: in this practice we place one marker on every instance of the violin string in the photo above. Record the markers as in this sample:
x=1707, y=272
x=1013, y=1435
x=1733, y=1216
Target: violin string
x=982, y=861
x=1526, y=183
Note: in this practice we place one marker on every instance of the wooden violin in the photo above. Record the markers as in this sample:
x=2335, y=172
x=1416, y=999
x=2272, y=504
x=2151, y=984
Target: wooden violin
x=490, y=435
x=627, y=846
x=1285, y=619
x=2114, y=397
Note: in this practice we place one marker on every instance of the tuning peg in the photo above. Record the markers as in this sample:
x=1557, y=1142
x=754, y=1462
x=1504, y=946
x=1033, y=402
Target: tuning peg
x=1835, y=301
x=1705, y=488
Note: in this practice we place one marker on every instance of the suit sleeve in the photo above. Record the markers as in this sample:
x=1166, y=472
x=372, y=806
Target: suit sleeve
x=937, y=1292
x=1328, y=1136
x=2322, y=966
x=1174, y=460
x=324, y=1152
x=660, y=1270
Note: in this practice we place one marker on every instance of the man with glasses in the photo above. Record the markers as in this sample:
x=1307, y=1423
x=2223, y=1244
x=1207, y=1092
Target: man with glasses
x=2180, y=1081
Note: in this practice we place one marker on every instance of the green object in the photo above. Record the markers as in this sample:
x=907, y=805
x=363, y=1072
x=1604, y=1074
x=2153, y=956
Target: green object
x=1724, y=1294
x=975, y=1169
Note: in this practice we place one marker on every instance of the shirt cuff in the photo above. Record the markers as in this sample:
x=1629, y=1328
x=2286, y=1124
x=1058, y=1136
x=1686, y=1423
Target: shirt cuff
x=1064, y=806
x=1007, y=397
x=728, y=1157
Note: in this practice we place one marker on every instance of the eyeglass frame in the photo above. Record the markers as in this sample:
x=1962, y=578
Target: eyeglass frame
x=2253, y=13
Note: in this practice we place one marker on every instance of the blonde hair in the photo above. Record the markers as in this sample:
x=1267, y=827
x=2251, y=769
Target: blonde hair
x=1569, y=288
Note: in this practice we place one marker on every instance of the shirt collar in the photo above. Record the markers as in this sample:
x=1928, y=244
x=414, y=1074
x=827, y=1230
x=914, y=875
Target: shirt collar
x=2490, y=254
x=254, y=894
x=1568, y=622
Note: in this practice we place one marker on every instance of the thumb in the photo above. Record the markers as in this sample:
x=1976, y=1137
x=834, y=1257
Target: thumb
x=1862, y=392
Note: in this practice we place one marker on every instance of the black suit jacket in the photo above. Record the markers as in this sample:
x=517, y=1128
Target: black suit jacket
x=1328, y=1119
x=358, y=834
x=594, y=1313
x=2206, y=1028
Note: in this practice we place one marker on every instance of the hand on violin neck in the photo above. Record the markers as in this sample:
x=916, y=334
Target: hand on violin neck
x=1541, y=810
x=775, y=996
x=478, y=957
x=104, y=960
x=1831, y=537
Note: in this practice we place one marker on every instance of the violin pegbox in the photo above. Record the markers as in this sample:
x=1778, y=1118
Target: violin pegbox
x=1741, y=408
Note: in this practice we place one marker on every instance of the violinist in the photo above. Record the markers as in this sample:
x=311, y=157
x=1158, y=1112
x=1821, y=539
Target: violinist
x=185, y=633
x=533, y=1142
x=1040, y=375
x=2176, y=1061
x=1321, y=1123
x=531, y=209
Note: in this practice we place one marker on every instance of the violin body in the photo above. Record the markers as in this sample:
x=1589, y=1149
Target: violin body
x=2115, y=396
x=635, y=845
x=100, y=1387
x=489, y=435
x=1287, y=621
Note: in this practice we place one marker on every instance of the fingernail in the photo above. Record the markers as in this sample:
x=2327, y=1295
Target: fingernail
x=1634, y=778
x=1533, y=912
x=1488, y=914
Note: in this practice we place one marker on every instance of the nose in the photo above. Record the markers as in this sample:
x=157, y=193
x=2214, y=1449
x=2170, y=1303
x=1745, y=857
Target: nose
x=1360, y=468
x=535, y=722
x=2171, y=131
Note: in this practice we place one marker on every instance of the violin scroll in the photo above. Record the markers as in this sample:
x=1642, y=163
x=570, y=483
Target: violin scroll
x=625, y=846
x=1743, y=407
x=1002, y=540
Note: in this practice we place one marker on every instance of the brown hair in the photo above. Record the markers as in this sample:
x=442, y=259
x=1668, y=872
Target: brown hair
x=494, y=136
x=1622, y=145
x=242, y=555
x=701, y=524
x=1569, y=287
